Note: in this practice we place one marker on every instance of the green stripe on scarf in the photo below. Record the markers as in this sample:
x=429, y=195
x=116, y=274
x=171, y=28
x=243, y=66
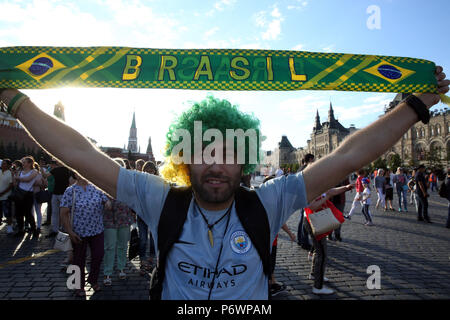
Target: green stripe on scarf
x=211, y=69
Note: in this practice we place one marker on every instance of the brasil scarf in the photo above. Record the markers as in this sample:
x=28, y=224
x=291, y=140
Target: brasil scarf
x=212, y=69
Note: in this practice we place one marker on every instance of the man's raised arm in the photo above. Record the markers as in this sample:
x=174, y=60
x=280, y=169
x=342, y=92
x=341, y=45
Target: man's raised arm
x=367, y=144
x=66, y=144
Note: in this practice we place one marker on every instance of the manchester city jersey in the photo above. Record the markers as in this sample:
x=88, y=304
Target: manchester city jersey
x=191, y=263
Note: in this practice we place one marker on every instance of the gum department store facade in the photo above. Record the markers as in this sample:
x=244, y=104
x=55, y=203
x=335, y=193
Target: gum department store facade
x=411, y=148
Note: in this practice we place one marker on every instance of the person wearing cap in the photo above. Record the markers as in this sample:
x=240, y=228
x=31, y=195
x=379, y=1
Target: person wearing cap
x=422, y=195
x=366, y=201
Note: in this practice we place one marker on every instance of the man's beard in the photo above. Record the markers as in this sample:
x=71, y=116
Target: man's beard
x=215, y=195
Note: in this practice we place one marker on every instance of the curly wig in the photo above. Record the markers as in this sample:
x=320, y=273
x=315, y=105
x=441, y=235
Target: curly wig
x=213, y=114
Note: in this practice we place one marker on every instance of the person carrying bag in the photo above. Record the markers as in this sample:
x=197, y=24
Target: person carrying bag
x=325, y=220
x=62, y=239
x=322, y=217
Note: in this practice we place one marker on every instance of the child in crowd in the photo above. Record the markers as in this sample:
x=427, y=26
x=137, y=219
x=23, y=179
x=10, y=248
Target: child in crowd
x=366, y=202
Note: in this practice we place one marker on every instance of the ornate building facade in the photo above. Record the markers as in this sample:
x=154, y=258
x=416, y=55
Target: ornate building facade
x=418, y=142
x=327, y=136
x=421, y=139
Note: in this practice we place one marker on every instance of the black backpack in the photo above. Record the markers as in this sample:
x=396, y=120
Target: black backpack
x=249, y=209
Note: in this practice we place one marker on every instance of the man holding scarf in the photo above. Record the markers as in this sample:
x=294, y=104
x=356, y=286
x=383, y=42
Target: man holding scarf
x=212, y=223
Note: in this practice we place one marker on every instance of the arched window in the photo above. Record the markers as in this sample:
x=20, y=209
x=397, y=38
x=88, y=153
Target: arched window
x=420, y=152
x=432, y=131
x=422, y=133
x=438, y=129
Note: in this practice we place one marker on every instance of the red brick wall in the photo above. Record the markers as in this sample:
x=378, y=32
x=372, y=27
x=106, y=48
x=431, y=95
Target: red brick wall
x=10, y=135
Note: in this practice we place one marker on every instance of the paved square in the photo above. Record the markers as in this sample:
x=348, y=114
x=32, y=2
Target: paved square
x=413, y=258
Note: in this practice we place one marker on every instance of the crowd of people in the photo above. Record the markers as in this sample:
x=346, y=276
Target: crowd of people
x=214, y=237
x=416, y=182
x=102, y=224
x=92, y=219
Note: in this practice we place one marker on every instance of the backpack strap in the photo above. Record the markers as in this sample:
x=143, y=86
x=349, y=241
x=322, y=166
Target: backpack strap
x=170, y=226
x=251, y=214
x=253, y=217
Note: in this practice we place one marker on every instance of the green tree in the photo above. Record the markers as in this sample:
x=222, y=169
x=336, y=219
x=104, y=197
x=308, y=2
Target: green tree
x=433, y=157
x=394, y=162
x=380, y=163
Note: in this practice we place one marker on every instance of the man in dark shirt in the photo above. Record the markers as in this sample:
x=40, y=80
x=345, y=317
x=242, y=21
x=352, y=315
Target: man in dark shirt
x=422, y=195
x=62, y=177
x=447, y=184
x=339, y=203
x=302, y=234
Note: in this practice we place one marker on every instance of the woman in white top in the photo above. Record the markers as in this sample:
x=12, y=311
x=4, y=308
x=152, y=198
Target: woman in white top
x=25, y=180
x=39, y=185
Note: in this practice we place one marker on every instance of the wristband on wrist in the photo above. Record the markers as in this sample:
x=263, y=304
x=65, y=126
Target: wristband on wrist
x=15, y=103
x=419, y=108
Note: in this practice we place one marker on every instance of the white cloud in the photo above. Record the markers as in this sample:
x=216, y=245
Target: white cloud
x=329, y=48
x=273, y=30
x=261, y=19
x=211, y=32
x=254, y=45
x=304, y=108
x=298, y=47
x=300, y=4
x=47, y=22
x=378, y=98
x=220, y=5
x=270, y=22
x=275, y=13
x=370, y=108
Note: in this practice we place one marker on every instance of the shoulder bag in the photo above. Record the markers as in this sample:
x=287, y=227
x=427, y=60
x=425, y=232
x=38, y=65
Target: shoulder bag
x=327, y=219
x=62, y=239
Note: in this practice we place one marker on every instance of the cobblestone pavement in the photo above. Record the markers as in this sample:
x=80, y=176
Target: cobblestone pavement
x=413, y=257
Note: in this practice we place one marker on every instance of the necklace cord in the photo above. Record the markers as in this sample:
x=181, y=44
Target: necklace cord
x=221, y=246
x=220, y=253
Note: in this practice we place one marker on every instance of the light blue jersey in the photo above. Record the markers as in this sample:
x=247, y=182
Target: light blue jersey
x=191, y=262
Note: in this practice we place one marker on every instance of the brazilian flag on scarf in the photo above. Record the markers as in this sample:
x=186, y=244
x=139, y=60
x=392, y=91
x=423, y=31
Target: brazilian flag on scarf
x=212, y=69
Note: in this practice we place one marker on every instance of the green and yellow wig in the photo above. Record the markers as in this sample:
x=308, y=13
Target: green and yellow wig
x=214, y=114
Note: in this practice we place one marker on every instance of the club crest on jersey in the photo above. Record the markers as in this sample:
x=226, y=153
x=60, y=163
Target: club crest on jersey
x=240, y=242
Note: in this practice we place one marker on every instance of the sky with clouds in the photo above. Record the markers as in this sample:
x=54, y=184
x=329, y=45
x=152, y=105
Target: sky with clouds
x=410, y=28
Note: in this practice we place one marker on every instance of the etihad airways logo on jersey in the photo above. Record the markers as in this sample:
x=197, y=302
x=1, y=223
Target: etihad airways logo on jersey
x=208, y=273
